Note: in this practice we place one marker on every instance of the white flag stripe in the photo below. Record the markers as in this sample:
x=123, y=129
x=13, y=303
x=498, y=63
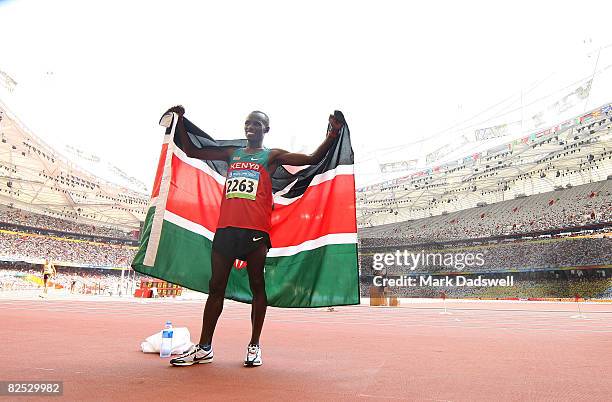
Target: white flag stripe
x=334, y=238
x=189, y=225
x=199, y=164
x=279, y=194
x=160, y=200
x=318, y=179
x=330, y=174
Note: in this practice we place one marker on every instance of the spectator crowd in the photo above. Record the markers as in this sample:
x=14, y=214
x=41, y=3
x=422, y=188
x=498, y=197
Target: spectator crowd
x=14, y=216
x=566, y=209
x=30, y=247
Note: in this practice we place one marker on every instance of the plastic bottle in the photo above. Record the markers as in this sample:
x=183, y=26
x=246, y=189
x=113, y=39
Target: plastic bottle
x=166, y=343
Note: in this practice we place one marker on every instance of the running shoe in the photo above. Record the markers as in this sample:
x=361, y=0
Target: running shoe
x=253, y=356
x=195, y=354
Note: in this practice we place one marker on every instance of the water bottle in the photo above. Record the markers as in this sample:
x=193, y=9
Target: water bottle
x=166, y=343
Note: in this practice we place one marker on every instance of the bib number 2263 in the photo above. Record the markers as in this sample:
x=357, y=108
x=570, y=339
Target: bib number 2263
x=242, y=184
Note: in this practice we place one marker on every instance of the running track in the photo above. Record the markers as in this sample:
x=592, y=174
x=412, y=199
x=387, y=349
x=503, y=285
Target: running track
x=482, y=351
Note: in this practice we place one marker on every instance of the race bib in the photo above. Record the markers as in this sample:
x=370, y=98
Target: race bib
x=242, y=184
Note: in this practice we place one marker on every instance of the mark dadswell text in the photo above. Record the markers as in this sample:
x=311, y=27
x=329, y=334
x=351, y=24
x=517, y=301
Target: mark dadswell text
x=446, y=281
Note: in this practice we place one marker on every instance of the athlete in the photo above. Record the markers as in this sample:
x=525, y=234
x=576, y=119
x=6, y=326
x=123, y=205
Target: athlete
x=244, y=223
x=48, y=272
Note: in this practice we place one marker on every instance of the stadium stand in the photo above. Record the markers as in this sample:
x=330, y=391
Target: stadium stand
x=13, y=218
x=570, y=154
x=38, y=179
x=588, y=204
x=538, y=209
x=607, y=294
x=62, y=251
x=52, y=208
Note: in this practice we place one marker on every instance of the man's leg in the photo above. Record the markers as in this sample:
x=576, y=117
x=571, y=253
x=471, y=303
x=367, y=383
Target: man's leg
x=221, y=268
x=255, y=267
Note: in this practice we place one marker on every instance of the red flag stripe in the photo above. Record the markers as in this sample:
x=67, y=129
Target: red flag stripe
x=326, y=208
x=183, y=199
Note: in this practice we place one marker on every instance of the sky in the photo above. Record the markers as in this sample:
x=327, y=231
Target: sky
x=98, y=75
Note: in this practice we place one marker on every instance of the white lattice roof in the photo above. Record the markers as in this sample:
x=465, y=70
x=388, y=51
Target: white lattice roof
x=35, y=177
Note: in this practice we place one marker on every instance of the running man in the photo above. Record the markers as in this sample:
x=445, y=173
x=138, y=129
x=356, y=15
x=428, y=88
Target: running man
x=244, y=224
x=48, y=272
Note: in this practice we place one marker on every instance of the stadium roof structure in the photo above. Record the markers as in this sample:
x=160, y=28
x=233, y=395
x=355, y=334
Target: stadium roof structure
x=36, y=178
x=571, y=153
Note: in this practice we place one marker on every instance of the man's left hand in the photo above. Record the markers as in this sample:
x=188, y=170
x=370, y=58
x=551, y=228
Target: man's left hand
x=334, y=126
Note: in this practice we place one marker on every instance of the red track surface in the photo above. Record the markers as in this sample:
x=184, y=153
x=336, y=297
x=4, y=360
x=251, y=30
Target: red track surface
x=482, y=351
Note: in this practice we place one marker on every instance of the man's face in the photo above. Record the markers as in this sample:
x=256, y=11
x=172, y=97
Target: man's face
x=255, y=126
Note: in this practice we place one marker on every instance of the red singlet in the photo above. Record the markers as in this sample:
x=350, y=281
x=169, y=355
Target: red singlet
x=247, y=201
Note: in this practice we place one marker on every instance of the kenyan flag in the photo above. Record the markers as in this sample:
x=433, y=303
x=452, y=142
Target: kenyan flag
x=313, y=262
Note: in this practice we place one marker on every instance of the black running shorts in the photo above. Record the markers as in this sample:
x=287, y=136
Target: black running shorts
x=239, y=242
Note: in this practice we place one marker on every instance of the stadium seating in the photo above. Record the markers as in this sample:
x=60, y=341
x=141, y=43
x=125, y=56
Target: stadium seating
x=573, y=207
x=15, y=216
x=31, y=248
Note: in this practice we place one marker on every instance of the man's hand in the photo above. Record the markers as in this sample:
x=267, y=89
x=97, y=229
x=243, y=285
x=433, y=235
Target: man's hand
x=282, y=157
x=335, y=124
x=209, y=154
x=178, y=109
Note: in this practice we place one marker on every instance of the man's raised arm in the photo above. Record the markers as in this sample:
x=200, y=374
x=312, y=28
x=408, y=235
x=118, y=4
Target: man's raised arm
x=282, y=157
x=211, y=154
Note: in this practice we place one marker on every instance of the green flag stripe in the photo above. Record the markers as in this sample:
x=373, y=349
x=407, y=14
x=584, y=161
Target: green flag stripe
x=183, y=257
